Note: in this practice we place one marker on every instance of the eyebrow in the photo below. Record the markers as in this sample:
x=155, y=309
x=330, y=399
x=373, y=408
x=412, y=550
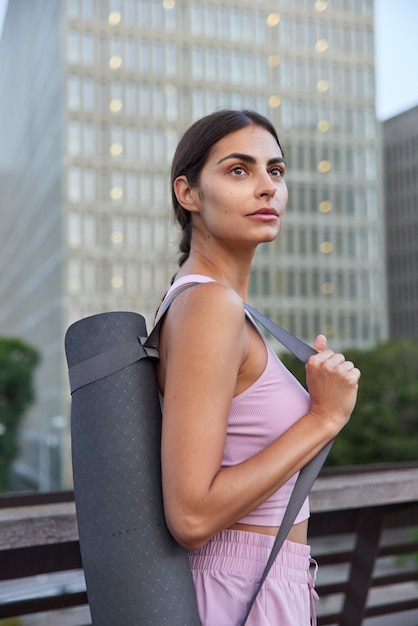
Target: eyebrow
x=249, y=159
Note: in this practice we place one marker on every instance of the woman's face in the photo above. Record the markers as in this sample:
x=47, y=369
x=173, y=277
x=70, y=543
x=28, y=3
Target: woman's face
x=242, y=195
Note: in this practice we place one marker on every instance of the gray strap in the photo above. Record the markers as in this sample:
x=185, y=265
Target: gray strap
x=310, y=471
x=106, y=363
x=120, y=356
x=154, y=338
x=296, y=346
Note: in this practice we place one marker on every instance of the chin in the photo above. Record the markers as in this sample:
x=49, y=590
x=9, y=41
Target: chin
x=270, y=236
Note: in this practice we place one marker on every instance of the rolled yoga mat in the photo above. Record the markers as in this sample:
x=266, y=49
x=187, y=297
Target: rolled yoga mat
x=136, y=573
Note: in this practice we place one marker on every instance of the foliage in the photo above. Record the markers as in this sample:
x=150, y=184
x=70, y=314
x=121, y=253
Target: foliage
x=384, y=424
x=17, y=363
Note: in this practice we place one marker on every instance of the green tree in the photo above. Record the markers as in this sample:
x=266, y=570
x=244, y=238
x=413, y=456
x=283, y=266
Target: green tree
x=384, y=424
x=17, y=363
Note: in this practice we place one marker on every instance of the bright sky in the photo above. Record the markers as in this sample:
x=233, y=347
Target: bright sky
x=396, y=38
x=396, y=23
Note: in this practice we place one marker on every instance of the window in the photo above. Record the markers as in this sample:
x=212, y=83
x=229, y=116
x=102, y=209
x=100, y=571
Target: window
x=371, y=164
x=210, y=64
x=144, y=57
x=88, y=49
x=159, y=145
x=143, y=14
x=223, y=67
x=265, y=276
x=159, y=189
x=74, y=184
x=73, y=47
x=209, y=21
x=352, y=285
x=87, y=9
x=144, y=100
x=197, y=62
x=73, y=9
x=146, y=278
x=145, y=144
x=129, y=12
x=132, y=278
x=89, y=139
x=74, y=275
x=146, y=233
x=73, y=93
x=131, y=143
x=89, y=230
x=197, y=103
x=223, y=28
x=74, y=138
x=171, y=59
x=88, y=95
x=158, y=102
x=160, y=239
x=157, y=15
x=158, y=58
x=285, y=32
x=130, y=99
x=131, y=188
x=170, y=15
x=132, y=232
x=351, y=244
x=171, y=112
x=236, y=68
x=352, y=322
x=130, y=55
x=145, y=195
x=74, y=230
x=197, y=19
x=89, y=182
x=236, y=29
x=261, y=70
x=89, y=275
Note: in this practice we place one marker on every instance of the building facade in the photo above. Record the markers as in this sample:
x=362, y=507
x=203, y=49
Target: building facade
x=400, y=144
x=105, y=89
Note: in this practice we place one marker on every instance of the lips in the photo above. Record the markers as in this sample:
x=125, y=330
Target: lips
x=265, y=214
x=266, y=211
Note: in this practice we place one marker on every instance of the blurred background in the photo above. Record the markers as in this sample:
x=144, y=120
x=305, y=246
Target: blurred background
x=94, y=97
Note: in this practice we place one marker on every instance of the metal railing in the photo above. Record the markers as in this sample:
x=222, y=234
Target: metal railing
x=361, y=530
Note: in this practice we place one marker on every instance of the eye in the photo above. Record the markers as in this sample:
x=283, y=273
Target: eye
x=277, y=172
x=238, y=170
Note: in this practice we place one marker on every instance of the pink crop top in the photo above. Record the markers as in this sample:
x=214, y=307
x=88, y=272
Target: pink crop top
x=257, y=417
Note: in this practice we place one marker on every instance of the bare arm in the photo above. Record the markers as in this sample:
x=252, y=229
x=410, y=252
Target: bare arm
x=205, y=353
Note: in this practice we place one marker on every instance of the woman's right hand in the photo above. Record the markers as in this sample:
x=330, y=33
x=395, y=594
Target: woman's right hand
x=333, y=384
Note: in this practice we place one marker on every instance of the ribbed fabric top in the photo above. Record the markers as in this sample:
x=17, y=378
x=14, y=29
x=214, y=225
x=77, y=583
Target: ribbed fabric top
x=257, y=417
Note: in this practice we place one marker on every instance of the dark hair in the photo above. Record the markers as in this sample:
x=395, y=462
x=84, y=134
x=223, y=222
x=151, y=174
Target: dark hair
x=193, y=151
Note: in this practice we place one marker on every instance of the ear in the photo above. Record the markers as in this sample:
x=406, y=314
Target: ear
x=186, y=195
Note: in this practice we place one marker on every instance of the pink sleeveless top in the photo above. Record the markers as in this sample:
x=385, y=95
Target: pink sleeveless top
x=257, y=417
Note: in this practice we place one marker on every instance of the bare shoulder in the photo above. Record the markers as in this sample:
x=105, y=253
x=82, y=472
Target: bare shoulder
x=208, y=300
x=206, y=311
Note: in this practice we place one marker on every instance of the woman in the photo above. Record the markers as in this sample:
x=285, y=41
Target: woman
x=237, y=427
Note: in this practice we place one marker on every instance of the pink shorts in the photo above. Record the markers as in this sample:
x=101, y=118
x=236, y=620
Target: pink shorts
x=225, y=573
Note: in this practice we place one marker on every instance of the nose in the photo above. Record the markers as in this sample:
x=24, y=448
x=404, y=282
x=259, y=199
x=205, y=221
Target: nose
x=265, y=187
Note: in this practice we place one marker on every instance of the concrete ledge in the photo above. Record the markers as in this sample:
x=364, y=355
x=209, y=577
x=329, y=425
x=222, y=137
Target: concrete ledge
x=40, y=524
x=37, y=525
x=369, y=488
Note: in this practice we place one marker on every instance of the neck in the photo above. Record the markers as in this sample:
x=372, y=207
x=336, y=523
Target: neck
x=228, y=270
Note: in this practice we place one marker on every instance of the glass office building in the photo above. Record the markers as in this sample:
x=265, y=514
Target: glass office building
x=96, y=93
x=400, y=144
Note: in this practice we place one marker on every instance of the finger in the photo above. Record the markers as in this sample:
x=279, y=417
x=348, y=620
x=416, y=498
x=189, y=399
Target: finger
x=320, y=343
x=332, y=360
